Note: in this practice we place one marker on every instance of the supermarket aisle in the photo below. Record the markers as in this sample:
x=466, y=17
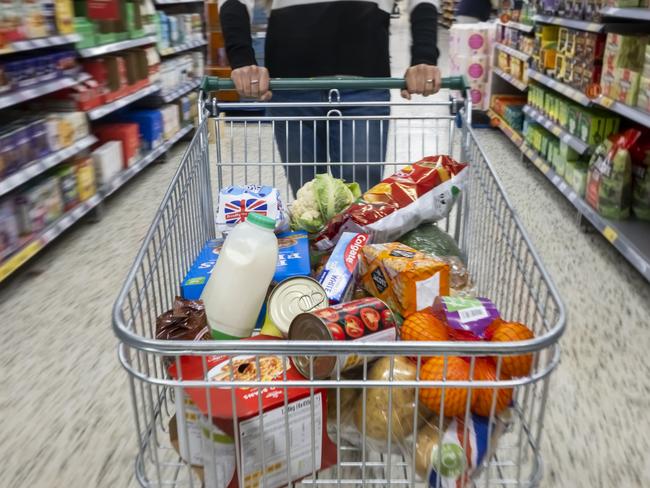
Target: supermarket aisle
x=66, y=417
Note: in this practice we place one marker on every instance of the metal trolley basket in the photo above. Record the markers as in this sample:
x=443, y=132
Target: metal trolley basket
x=500, y=258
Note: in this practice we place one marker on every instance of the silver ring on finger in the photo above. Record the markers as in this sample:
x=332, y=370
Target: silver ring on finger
x=253, y=82
x=429, y=81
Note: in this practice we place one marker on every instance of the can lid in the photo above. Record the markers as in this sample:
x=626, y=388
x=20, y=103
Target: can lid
x=261, y=221
x=308, y=327
x=292, y=297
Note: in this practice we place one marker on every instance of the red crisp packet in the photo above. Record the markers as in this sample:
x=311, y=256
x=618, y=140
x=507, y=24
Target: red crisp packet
x=419, y=193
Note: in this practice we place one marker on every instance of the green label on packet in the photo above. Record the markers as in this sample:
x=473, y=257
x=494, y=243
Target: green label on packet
x=454, y=304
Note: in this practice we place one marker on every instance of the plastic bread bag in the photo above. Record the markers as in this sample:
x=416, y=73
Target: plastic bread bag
x=451, y=450
x=340, y=424
x=377, y=406
x=422, y=192
x=236, y=202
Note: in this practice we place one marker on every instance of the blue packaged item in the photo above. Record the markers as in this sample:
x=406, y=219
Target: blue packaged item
x=293, y=260
x=150, y=126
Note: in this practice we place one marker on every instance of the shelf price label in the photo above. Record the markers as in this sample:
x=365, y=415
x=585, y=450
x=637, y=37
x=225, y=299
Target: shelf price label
x=18, y=259
x=610, y=234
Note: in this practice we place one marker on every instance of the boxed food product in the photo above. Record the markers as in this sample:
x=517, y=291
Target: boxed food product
x=339, y=274
x=127, y=133
x=407, y=280
x=641, y=175
x=108, y=161
x=265, y=426
x=236, y=202
x=643, y=100
x=64, y=14
x=39, y=206
x=64, y=128
x=149, y=124
x=170, y=120
x=68, y=181
x=293, y=260
x=86, y=186
x=576, y=176
x=184, y=110
x=8, y=228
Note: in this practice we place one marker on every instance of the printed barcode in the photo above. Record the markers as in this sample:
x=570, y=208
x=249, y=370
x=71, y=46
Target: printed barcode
x=472, y=314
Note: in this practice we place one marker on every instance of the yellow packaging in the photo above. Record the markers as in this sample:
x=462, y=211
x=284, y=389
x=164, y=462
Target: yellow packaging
x=407, y=280
x=64, y=13
x=85, y=178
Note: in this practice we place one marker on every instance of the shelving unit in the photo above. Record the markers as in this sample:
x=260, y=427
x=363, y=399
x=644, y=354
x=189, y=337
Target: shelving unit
x=565, y=90
x=104, y=110
x=572, y=23
x=558, y=131
x=627, y=13
x=512, y=52
x=35, y=244
x=520, y=85
x=31, y=246
x=43, y=42
x=527, y=28
x=40, y=89
x=40, y=166
x=183, y=47
x=630, y=237
x=90, y=52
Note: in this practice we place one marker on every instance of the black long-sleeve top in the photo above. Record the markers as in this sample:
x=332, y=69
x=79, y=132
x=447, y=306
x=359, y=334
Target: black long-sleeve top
x=308, y=38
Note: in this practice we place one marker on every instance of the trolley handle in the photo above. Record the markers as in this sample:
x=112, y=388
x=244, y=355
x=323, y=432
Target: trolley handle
x=214, y=83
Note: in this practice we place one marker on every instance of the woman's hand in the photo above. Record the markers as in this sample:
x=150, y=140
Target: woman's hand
x=252, y=82
x=421, y=79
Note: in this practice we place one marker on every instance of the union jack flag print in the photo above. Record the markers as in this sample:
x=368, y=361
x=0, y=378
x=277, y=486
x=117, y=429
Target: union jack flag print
x=236, y=211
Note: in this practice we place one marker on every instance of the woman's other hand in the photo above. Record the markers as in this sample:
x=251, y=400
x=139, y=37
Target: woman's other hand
x=421, y=79
x=252, y=82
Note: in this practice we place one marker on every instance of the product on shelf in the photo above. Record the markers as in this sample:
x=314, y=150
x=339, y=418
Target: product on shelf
x=133, y=23
x=39, y=205
x=641, y=174
x=623, y=63
x=121, y=74
x=67, y=176
x=9, y=232
x=171, y=120
x=150, y=126
x=127, y=133
x=609, y=184
x=176, y=30
x=21, y=73
x=85, y=172
x=108, y=161
x=22, y=141
x=469, y=55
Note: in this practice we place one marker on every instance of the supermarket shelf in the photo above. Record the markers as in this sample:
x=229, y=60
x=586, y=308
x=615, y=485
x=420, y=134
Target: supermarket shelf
x=566, y=90
x=42, y=239
x=183, y=47
x=41, y=165
x=573, y=23
x=516, y=25
x=142, y=163
x=510, y=133
x=512, y=52
x=636, y=114
x=626, y=13
x=89, y=52
x=31, y=44
x=104, y=110
x=558, y=131
x=40, y=89
x=175, y=2
x=629, y=237
x=180, y=91
x=520, y=85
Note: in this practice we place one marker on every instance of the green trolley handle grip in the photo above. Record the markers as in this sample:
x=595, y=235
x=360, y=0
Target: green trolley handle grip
x=213, y=83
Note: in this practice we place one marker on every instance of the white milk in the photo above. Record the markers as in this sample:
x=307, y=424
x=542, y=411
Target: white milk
x=235, y=291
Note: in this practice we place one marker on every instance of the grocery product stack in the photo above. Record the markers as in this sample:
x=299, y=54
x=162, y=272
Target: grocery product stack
x=88, y=105
x=470, y=47
x=585, y=121
x=338, y=265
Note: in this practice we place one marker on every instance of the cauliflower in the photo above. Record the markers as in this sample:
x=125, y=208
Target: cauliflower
x=319, y=200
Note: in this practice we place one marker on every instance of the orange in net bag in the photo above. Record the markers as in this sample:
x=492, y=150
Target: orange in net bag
x=406, y=279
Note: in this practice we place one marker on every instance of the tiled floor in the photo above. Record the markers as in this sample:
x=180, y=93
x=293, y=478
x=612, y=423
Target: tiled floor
x=65, y=414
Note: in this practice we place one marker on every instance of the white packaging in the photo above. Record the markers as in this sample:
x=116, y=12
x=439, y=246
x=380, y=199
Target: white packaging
x=171, y=120
x=218, y=456
x=108, y=161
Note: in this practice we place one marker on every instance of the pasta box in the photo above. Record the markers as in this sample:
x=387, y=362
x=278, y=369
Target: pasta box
x=253, y=426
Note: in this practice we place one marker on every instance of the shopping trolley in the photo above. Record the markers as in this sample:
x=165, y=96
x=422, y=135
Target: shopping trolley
x=227, y=150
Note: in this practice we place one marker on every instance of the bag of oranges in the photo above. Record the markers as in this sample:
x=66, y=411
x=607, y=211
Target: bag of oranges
x=407, y=280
